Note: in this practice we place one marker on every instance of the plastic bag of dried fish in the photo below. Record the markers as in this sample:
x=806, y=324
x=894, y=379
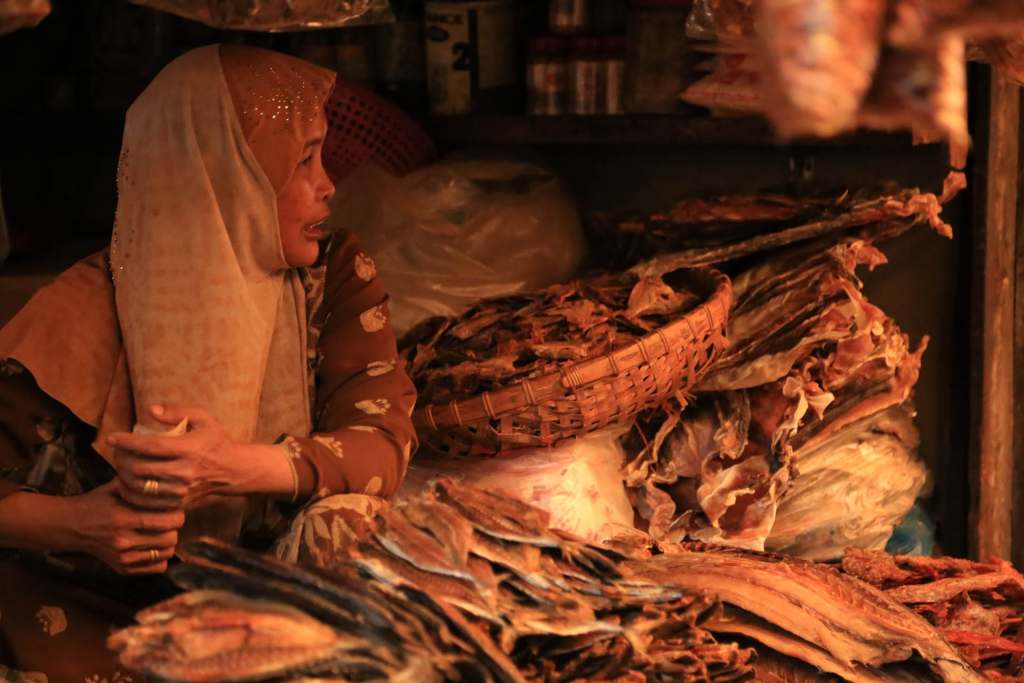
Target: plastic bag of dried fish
x=818, y=60
x=578, y=483
x=852, y=491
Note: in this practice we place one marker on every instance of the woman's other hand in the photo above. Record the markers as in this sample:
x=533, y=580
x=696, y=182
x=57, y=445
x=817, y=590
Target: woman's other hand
x=128, y=539
x=168, y=472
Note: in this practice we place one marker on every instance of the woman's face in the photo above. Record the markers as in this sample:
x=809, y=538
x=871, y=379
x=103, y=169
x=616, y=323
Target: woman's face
x=302, y=207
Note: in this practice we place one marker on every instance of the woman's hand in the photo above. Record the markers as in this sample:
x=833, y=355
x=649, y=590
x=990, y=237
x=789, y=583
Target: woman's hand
x=168, y=472
x=128, y=539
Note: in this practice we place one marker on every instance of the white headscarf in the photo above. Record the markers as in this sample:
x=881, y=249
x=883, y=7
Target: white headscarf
x=207, y=312
x=210, y=313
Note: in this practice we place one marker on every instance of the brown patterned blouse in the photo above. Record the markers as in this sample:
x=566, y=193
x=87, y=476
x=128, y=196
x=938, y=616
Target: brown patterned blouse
x=363, y=435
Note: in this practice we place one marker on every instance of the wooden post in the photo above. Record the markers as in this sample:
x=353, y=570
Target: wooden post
x=992, y=494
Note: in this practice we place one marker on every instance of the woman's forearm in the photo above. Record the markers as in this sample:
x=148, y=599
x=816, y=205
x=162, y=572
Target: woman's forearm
x=33, y=521
x=265, y=469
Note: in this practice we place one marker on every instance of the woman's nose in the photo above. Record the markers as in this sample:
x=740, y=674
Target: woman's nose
x=327, y=188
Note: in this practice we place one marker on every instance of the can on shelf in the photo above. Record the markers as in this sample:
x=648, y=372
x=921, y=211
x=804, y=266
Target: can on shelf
x=547, y=76
x=471, y=55
x=586, y=94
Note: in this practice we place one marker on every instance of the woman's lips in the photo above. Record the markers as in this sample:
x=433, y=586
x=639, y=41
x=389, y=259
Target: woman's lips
x=315, y=231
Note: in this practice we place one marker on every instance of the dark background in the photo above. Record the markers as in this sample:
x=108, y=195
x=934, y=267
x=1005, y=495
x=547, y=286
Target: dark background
x=66, y=85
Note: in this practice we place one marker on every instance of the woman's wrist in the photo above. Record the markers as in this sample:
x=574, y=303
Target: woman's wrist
x=35, y=521
x=264, y=469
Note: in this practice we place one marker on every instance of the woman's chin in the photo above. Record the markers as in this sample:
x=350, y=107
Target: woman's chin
x=305, y=257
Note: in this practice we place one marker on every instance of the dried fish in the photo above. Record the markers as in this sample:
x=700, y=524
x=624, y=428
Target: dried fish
x=199, y=635
x=701, y=232
x=505, y=340
x=976, y=606
x=552, y=609
x=811, y=359
x=856, y=624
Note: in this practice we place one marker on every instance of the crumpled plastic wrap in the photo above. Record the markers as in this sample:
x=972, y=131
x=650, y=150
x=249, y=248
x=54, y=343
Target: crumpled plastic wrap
x=16, y=14
x=578, y=483
x=728, y=22
x=455, y=232
x=277, y=15
x=852, y=490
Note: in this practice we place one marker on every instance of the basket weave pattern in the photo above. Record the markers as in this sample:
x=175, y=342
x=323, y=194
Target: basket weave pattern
x=584, y=396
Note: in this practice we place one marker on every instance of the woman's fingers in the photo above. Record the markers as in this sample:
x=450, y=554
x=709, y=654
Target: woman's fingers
x=132, y=542
x=156, y=568
x=148, y=501
x=154, y=481
x=154, y=446
x=154, y=523
x=146, y=560
x=174, y=414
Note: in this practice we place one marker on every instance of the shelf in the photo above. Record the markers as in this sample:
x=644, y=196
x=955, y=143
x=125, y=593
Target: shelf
x=632, y=129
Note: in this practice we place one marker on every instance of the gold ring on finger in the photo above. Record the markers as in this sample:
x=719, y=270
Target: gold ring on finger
x=151, y=487
x=154, y=554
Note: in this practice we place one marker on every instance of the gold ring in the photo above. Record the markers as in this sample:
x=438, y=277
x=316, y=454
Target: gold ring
x=151, y=487
x=154, y=554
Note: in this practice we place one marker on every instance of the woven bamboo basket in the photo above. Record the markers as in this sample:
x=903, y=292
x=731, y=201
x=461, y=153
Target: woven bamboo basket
x=584, y=396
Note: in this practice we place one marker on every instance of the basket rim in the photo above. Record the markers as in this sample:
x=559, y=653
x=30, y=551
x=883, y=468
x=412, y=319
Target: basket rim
x=526, y=394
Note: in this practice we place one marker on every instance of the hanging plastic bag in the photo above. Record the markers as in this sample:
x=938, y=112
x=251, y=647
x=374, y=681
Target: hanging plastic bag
x=15, y=14
x=277, y=15
x=578, y=483
x=455, y=232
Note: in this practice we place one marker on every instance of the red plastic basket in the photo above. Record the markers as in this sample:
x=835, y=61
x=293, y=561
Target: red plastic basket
x=362, y=126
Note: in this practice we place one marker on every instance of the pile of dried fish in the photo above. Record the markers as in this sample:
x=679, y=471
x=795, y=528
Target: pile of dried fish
x=464, y=584
x=978, y=607
x=504, y=340
x=459, y=584
x=810, y=359
x=700, y=232
x=810, y=612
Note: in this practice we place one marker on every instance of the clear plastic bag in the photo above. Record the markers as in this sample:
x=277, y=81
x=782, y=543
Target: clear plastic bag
x=455, y=232
x=579, y=483
x=851, y=491
x=277, y=15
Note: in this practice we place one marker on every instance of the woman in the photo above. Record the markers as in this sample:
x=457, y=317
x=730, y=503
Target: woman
x=212, y=307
